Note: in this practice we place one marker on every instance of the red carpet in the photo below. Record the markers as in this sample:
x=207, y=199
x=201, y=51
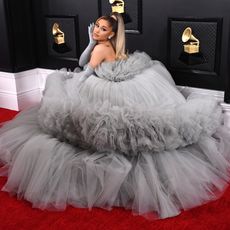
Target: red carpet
x=18, y=214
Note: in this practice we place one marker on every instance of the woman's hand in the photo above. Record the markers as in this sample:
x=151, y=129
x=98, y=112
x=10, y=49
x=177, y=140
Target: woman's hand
x=90, y=32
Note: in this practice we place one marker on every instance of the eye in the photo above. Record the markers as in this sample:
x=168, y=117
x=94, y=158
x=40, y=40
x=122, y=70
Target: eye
x=103, y=29
x=97, y=25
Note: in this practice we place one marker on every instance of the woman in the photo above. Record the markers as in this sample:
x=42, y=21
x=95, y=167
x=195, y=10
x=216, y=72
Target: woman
x=116, y=134
x=106, y=43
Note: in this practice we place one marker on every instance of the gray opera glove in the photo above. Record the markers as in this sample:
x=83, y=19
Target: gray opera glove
x=86, y=73
x=85, y=56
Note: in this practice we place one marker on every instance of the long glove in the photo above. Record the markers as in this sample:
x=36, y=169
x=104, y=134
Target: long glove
x=86, y=73
x=85, y=56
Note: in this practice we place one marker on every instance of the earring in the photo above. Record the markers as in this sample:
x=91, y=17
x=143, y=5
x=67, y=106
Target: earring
x=109, y=37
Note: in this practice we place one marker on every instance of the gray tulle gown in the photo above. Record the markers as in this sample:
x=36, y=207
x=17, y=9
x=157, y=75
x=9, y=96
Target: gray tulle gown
x=126, y=137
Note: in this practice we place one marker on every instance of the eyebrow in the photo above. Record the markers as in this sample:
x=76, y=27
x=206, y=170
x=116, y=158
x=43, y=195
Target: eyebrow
x=105, y=27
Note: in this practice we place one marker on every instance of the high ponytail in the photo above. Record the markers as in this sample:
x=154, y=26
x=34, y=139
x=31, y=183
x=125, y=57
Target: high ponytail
x=118, y=41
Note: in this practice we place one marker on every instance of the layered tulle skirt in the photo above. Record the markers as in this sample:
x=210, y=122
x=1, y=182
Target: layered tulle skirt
x=134, y=143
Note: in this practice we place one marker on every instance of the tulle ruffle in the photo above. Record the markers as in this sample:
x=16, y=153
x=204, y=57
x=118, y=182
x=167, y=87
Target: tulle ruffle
x=52, y=174
x=120, y=139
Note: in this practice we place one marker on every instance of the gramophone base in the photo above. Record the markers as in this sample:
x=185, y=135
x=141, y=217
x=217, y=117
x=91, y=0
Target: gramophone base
x=192, y=59
x=61, y=48
x=126, y=17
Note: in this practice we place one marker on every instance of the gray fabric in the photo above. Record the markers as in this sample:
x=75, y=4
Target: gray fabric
x=137, y=62
x=129, y=130
x=86, y=73
x=123, y=138
x=85, y=56
x=132, y=127
x=122, y=70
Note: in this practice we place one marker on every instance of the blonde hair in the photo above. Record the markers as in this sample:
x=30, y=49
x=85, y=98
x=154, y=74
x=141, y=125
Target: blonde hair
x=118, y=40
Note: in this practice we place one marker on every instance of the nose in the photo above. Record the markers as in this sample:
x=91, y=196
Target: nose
x=96, y=29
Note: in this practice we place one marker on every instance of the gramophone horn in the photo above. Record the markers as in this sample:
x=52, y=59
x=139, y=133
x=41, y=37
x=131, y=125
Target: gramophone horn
x=59, y=36
x=55, y=29
x=186, y=34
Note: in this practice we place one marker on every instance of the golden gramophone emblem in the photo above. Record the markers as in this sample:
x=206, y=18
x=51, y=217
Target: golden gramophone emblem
x=191, y=54
x=59, y=36
x=117, y=6
x=59, y=44
x=192, y=44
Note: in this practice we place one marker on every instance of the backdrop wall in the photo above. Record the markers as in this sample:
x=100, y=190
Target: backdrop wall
x=24, y=41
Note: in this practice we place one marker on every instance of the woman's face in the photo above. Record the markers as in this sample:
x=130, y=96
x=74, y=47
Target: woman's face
x=102, y=30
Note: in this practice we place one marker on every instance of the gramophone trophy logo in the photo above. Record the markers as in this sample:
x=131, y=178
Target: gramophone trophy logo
x=59, y=44
x=191, y=54
x=119, y=7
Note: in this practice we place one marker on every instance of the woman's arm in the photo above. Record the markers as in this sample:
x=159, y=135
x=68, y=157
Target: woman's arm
x=85, y=56
x=97, y=57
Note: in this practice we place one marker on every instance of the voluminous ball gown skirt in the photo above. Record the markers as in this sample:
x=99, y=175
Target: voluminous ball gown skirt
x=126, y=137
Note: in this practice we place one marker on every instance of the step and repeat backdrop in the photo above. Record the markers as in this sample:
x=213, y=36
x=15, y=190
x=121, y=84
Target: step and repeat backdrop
x=191, y=39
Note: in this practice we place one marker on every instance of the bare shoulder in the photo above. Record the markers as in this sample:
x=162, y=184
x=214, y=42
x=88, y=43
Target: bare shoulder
x=101, y=52
x=98, y=55
x=100, y=48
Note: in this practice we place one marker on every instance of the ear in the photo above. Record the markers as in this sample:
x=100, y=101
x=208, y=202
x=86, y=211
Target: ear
x=111, y=35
